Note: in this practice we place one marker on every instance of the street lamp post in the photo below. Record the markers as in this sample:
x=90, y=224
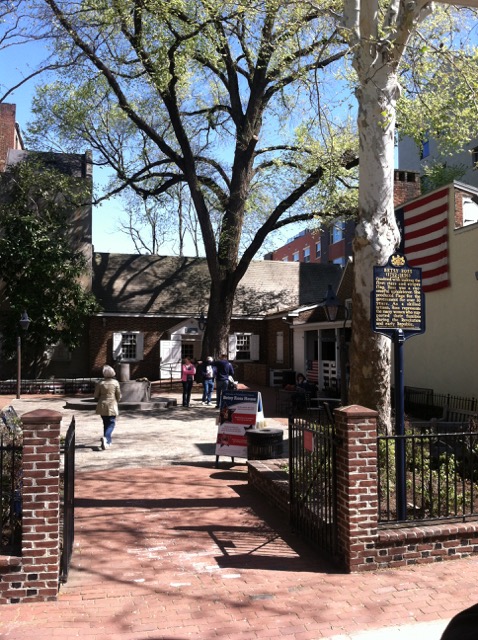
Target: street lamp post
x=24, y=324
x=202, y=321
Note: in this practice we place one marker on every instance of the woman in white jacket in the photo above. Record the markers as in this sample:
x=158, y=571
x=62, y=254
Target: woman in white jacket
x=108, y=394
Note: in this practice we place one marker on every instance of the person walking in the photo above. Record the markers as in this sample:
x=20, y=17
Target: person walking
x=224, y=369
x=188, y=371
x=108, y=394
x=208, y=372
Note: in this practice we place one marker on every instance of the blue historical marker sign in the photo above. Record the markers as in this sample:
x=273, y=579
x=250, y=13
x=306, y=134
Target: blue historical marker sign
x=397, y=300
x=398, y=312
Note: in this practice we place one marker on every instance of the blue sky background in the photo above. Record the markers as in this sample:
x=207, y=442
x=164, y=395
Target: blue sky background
x=16, y=63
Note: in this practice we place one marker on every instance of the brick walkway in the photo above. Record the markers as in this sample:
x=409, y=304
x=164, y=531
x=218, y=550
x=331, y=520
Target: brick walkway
x=188, y=551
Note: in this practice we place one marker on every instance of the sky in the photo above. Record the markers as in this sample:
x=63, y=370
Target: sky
x=106, y=237
x=17, y=62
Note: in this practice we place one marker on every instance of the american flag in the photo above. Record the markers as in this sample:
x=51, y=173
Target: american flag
x=423, y=226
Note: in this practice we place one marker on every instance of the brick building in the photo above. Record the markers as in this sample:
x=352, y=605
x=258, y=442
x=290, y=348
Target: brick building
x=10, y=134
x=334, y=244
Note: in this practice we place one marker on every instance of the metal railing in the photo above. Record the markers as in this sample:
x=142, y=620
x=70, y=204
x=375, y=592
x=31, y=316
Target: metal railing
x=426, y=404
x=441, y=461
x=63, y=386
x=68, y=503
x=11, y=476
x=313, y=480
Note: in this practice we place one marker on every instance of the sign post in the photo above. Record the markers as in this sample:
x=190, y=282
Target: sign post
x=239, y=412
x=398, y=312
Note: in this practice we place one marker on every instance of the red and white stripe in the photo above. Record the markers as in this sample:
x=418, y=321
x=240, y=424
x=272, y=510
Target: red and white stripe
x=426, y=238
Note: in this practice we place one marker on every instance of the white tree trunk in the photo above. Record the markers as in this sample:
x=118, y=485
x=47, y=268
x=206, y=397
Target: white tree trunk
x=377, y=233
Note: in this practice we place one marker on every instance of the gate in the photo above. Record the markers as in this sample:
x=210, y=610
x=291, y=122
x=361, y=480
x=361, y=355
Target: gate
x=313, y=480
x=68, y=514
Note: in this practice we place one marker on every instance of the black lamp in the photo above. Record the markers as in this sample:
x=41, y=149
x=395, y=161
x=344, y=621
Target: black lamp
x=331, y=304
x=202, y=321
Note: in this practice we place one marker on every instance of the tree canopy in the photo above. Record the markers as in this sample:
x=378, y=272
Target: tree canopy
x=250, y=106
x=224, y=98
x=40, y=271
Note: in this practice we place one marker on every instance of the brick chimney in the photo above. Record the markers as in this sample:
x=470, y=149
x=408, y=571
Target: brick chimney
x=10, y=137
x=406, y=186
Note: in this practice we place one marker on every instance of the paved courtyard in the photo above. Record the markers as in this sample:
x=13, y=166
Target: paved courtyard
x=169, y=547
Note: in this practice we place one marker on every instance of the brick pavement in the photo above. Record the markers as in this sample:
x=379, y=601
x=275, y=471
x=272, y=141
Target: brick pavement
x=177, y=550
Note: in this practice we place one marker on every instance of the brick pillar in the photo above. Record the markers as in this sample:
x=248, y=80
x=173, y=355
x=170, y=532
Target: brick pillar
x=357, y=495
x=41, y=505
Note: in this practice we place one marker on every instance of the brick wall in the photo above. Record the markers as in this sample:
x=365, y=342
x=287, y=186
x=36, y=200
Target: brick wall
x=33, y=577
x=7, y=132
x=269, y=479
x=406, y=186
x=364, y=545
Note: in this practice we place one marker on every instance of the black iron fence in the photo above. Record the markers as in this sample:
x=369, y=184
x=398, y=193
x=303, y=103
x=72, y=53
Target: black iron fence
x=313, y=480
x=68, y=502
x=64, y=386
x=426, y=404
x=11, y=444
x=441, y=461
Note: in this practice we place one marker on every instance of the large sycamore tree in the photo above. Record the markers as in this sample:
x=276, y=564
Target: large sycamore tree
x=389, y=46
x=223, y=98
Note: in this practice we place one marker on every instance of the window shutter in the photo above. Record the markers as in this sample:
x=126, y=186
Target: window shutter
x=232, y=347
x=254, y=347
x=140, y=346
x=280, y=346
x=117, y=340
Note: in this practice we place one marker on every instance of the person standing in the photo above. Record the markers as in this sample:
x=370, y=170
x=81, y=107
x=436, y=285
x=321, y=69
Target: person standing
x=108, y=394
x=208, y=372
x=224, y=369
x=188, y=371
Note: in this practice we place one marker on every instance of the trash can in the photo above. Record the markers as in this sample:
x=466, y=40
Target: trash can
x=264, y=444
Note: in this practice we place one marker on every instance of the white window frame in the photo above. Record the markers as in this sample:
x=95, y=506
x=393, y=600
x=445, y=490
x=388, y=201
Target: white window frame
x=306, y=253
x=119, y=337
x=253, y=346
x=296, y=256
x=337, y=232
x=318, y=249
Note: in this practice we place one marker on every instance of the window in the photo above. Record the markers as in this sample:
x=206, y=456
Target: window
x=244, y=346
x=318, y=249
x=474, y=158
x=187, y=350
x=425, y=147
x=286, y=259
x=128, y=346
x=338, y=232
x=307, y=254
x=295, y=256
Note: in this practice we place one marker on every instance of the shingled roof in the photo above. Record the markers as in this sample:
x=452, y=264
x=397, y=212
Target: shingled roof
x=169, y=285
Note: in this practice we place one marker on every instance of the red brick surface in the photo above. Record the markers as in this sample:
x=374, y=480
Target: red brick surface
x=192, y=552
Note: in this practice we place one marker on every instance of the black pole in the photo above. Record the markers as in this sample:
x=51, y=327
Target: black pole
x=399, y=340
